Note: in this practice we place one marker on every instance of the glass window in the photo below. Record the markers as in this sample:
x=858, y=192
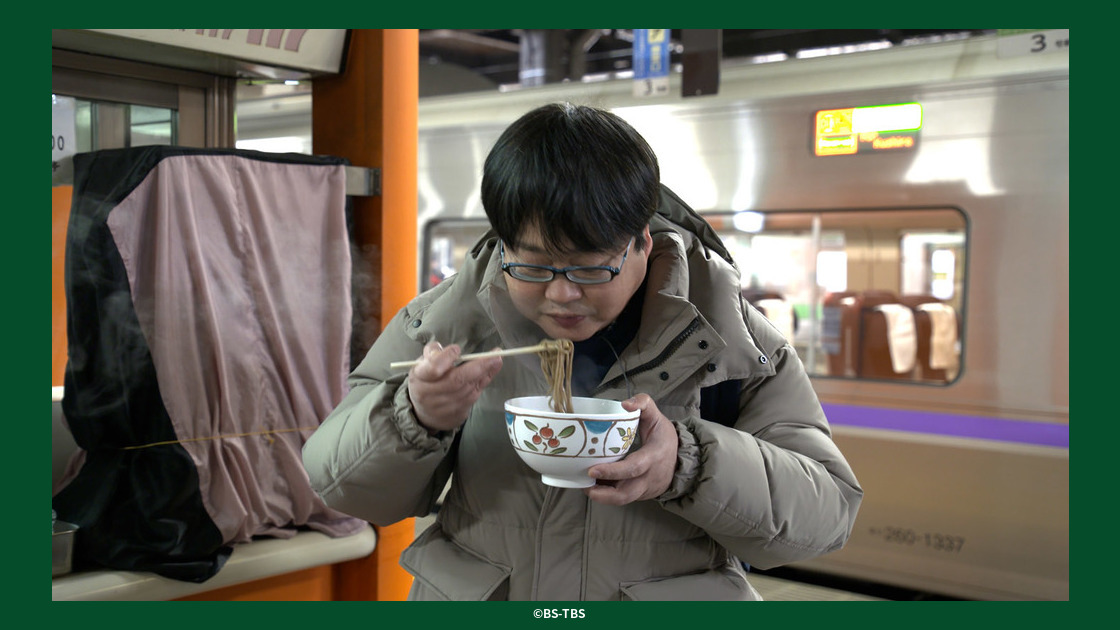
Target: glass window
x=870, y=294
x=861, y=294
x=108, y=125
x=151, y=126
x=445, y=244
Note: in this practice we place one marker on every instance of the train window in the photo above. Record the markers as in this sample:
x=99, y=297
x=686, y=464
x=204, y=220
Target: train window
x=867, y=294
x=445, y=244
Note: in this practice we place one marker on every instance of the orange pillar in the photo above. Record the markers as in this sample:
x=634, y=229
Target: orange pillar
x=60, y=217
x=400, y=132
x=368, y=114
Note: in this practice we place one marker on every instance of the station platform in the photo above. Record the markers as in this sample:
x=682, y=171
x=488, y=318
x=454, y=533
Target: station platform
x=775, y=589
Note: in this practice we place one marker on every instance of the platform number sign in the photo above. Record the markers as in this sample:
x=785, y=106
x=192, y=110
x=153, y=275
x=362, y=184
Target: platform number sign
x=651, y=61
x=1017, y=42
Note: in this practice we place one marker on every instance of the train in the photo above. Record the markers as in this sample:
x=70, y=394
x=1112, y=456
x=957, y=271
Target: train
x=904, y=215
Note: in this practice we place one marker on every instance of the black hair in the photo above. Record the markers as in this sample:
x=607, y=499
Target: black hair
x=581, y=175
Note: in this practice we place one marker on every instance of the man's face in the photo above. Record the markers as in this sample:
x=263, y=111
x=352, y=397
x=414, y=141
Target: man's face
x=564, y=309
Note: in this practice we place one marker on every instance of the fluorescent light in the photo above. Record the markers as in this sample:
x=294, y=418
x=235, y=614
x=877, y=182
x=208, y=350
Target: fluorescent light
x=748, y=221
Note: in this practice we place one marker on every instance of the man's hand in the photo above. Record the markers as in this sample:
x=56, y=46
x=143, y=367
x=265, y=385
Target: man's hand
x=644, y=473
x=441, y=392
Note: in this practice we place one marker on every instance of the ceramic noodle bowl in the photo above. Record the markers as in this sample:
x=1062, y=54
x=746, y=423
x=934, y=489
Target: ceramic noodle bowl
x=562, y=446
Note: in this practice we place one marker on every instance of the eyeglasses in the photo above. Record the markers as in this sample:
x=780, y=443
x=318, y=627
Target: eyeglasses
x=596, y=274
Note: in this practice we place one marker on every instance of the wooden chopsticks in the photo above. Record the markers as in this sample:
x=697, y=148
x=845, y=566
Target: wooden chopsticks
x=540, y=347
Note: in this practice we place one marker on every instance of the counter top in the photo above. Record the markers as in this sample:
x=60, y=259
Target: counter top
x=255, y=560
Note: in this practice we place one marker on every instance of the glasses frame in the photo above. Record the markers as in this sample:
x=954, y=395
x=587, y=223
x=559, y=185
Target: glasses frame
x=510, y=268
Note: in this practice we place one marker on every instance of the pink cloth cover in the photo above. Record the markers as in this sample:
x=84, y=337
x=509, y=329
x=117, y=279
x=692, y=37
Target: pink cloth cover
x=240, y=275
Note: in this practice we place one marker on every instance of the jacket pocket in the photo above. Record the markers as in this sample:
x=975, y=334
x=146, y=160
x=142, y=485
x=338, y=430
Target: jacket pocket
x=442, y=570
x=722, y=584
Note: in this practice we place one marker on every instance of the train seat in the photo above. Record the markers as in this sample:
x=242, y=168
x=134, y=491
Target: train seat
x=938, y=336
x=876, y=297
x=780, y=313
x=840, y=331
x=776, y=308
x=888, y=341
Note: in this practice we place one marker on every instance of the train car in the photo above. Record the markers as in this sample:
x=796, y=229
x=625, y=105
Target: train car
x=904, y=215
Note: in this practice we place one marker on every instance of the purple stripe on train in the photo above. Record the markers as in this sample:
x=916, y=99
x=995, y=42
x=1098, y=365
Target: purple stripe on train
x=976, y=427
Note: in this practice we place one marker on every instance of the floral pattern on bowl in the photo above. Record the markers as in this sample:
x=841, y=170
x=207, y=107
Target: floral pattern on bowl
x=551, y=436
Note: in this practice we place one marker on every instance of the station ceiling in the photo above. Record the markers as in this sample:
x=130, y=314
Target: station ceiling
x=498, y=57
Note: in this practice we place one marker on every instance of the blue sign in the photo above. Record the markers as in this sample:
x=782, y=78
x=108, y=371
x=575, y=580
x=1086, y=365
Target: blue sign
x=651, y=61
x=651, y=53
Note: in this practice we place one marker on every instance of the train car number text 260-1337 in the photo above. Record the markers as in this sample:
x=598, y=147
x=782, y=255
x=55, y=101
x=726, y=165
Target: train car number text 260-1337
x=905, y=536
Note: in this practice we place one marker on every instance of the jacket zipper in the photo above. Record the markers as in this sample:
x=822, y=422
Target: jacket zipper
x=657, y=361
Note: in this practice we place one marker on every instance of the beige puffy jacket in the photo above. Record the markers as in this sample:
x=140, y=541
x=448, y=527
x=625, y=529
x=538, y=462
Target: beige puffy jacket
x=772, y=489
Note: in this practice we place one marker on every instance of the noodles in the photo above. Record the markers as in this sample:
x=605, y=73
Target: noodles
x=556, y=363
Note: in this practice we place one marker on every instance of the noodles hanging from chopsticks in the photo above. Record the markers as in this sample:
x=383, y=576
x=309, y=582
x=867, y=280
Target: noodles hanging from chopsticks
x=556, y=363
